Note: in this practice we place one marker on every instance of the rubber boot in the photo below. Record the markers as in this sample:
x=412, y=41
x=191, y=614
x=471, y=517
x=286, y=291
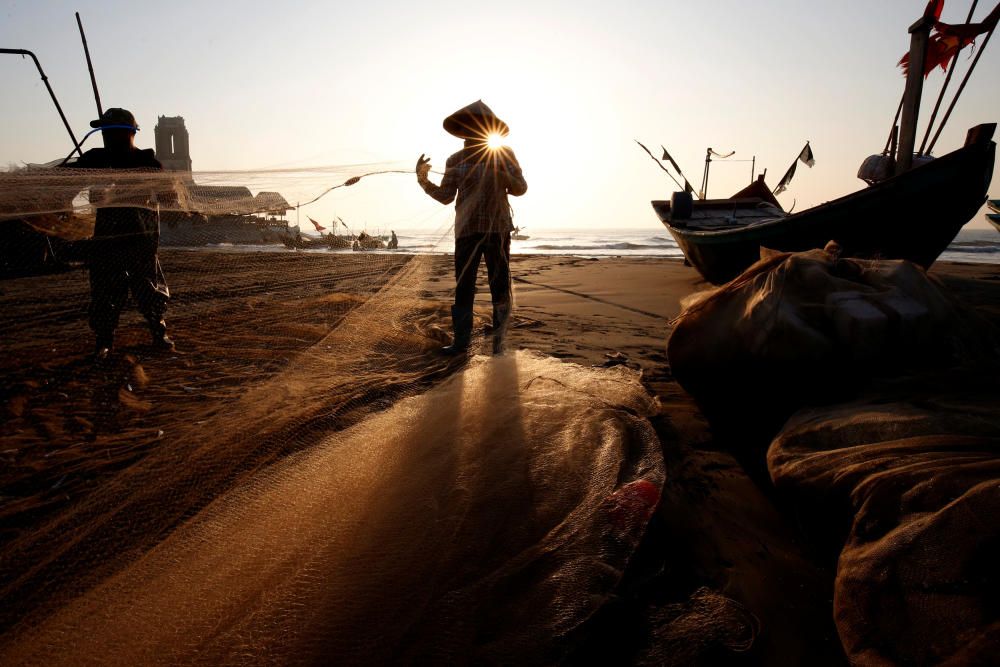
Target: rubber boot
x=501, y=312
x=461, y=325
x=161, y=341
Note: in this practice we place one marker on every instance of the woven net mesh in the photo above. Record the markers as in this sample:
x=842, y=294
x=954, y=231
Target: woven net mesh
x=304, y=479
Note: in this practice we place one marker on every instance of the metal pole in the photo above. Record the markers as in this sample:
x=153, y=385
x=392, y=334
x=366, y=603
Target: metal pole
x=90, y=66
x=704, y=176
x=894, y=132
x=45, y=80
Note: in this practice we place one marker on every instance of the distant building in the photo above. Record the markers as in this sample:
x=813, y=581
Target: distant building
x=172, y=147
x=271, y=203
x=174, y=153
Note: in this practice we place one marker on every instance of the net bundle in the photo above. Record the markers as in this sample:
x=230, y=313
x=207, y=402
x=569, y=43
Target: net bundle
x=304, y=479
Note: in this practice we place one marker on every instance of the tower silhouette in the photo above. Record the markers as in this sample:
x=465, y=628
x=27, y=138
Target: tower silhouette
x=172, y=148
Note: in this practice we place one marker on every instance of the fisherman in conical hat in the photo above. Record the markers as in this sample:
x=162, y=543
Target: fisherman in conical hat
x=478, y=178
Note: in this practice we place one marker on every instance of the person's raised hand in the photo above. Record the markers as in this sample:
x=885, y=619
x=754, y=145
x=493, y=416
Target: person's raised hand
x=423, y=167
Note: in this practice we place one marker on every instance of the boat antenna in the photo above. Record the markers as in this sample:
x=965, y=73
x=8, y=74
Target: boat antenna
x=45, y=80
x=992, y=17
x=658, y=164
x=90, y=66
x=708, y=161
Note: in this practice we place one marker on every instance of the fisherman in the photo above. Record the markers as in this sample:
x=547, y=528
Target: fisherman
x=478, y=178
x=393, y=242
x=123, y=251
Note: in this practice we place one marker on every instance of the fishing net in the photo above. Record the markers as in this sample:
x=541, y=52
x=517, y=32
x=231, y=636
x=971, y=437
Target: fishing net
x=812, y=327
x=304, y=479
x=900, y=487
x=909, y=479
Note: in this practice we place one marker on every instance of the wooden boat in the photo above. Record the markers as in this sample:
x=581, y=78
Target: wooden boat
x=994, y=219
x=994, y=205
x=914, y=206
x=913, y=215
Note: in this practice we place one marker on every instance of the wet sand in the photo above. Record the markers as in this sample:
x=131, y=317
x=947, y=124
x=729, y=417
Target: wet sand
x=71, y=427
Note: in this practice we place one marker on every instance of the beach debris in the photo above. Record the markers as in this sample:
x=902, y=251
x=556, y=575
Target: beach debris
x=633, y=504
x=617, y=359
x=130, y=401
x=139, y=376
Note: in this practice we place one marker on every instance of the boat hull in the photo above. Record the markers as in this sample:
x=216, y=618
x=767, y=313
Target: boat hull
x=913, y=216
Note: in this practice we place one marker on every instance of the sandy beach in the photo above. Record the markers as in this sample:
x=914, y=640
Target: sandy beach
x=718, y=547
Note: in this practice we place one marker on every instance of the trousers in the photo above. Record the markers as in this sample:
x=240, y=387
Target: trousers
x=117, y=267
x=469, y=251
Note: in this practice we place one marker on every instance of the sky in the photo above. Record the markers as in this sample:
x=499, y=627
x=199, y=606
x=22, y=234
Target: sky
x=365, y=86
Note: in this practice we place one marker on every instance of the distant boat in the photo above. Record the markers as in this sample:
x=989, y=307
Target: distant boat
x=518, y=236
x=914, y=215
x=994, y=219
x=994, y=205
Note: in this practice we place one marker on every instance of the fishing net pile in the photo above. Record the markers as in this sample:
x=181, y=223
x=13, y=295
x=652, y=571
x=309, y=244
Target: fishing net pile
x=305, y=479
x=811, y=327
x=890, y=456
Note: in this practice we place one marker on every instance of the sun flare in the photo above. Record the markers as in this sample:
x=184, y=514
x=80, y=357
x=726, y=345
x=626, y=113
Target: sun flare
x=494, y=140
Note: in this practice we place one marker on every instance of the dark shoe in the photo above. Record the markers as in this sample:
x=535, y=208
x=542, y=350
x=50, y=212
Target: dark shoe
x=455, y=349
x=163, y=342
x=461, y=324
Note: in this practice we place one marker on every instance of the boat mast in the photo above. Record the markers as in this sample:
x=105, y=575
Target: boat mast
x=919, y=36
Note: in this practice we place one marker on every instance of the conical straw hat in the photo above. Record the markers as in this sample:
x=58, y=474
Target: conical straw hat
x=474, y=122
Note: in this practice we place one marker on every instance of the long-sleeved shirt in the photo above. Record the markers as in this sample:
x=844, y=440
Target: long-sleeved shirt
x=478, y=180
x=120, y=221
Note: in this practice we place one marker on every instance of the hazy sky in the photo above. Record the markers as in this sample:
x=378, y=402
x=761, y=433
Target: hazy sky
x=307, y=83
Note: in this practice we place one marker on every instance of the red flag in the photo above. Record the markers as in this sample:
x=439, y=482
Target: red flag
x=948, y=39
x=318, y=226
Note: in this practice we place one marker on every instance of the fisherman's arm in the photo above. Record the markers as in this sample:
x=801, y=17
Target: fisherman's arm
x=444, y=193
x=513, y=178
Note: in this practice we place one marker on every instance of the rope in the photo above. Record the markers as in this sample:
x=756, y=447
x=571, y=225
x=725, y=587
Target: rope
x=944, y=86
x=958, y=93
x=351, y=181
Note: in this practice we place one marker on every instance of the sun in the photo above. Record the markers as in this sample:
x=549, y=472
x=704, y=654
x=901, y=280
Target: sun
x=494, y=140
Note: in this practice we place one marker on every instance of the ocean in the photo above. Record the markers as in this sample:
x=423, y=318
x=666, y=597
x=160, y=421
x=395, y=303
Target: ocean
x=971, y=245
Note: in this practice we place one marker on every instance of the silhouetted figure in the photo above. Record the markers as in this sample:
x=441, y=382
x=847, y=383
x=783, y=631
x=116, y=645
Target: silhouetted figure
x=478, y=178
x=123, y=251
x=393, y=242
